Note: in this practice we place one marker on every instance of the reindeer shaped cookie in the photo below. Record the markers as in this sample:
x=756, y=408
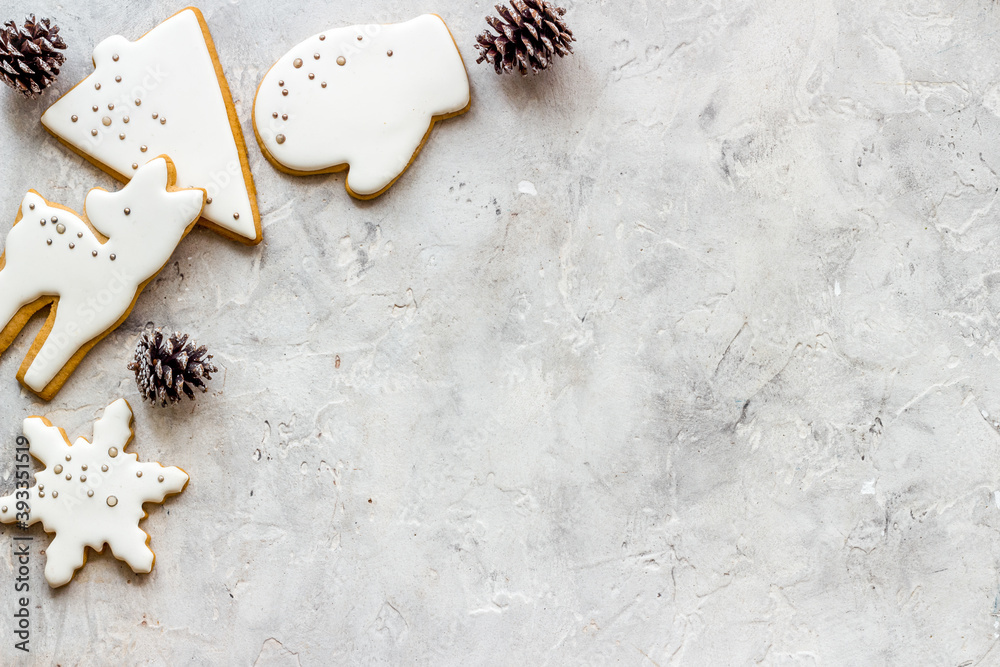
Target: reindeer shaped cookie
x=91, y=270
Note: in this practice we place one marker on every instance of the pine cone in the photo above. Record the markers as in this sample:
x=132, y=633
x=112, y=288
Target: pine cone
x=29, y=61
x=527, y=37
x=167, y=367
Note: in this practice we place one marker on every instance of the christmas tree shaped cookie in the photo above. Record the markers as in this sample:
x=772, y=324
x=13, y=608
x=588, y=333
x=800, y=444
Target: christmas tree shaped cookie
x=90, y=268
x=90, y=494
x=363, y=97
x=164, y=94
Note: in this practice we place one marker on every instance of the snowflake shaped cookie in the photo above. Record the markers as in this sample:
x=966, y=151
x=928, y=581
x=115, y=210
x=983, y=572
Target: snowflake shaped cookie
x=91, y=493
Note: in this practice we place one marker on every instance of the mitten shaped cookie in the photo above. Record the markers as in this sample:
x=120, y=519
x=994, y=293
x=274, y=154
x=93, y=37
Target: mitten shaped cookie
x=363, y=98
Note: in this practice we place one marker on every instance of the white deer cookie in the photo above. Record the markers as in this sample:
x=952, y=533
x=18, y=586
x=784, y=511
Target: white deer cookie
x=91, y=268
x=164, y=94
x=90, y=494
x=363, y=97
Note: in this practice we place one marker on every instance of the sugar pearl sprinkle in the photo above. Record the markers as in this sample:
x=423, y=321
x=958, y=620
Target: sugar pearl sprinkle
x=112, y=501
x=341, y=60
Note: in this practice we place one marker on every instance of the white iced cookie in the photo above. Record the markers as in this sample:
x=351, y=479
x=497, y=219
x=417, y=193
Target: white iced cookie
x=91, y=494
x=164, y=94
x=92, y=268
x=363, y=97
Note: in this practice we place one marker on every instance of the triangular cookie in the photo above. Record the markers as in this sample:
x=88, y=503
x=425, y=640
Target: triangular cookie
x=164, y=94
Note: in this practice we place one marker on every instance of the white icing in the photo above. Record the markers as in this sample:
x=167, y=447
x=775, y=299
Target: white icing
x=93, y=291
x=171, y=70
x=81, y=520
x=375, y=110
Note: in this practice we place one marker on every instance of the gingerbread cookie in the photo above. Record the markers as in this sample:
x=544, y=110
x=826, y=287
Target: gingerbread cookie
x=363, y=98
x=164, y=94
x=90, y=494
x=90, y=268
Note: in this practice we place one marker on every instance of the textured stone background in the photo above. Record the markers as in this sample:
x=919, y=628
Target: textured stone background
x=683, y=353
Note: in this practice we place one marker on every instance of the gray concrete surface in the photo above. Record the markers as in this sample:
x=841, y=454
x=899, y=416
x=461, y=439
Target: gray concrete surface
x=683, y=353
